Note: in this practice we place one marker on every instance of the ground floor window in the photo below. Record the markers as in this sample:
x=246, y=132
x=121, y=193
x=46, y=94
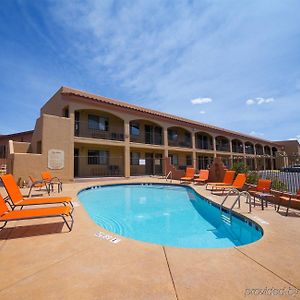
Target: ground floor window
x=174, y=159
x=2, y=151
x=189, y=160
x=134, y=158
x=98, y=157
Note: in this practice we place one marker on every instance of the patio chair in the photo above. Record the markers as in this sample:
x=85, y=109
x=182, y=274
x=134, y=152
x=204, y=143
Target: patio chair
x=263, y=187
x=189, y=175
x=51, y=181
x=34, y=183
x=227, y=180
x=289, y=201
x=7, y=215
x=17, y=199
x=238, y=184
x=203, y=176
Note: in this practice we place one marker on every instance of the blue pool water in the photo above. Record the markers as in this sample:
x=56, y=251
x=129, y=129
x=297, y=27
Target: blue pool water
x=169, y=215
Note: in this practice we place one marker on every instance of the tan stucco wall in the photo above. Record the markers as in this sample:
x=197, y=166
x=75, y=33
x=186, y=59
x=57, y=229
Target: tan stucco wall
x=25, y=164
x=54, y=133
x=21, y=147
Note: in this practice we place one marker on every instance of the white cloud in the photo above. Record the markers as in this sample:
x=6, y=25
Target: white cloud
x=256, y=133
x=202, y=112
x=201, y=100
x=250, y=102
x=259, y=101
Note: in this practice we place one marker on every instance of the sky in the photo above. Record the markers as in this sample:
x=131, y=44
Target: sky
x=232, y=64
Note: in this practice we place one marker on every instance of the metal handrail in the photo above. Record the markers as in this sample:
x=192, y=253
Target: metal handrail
x=237, y=200
x=231, y=191
x=170, y=174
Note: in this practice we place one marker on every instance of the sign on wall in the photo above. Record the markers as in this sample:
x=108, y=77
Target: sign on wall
x=142, y=162
x=56, y=159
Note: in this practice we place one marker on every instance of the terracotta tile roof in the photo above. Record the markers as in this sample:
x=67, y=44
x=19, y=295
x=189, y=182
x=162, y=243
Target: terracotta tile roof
x=5, y=136
x=101, y=99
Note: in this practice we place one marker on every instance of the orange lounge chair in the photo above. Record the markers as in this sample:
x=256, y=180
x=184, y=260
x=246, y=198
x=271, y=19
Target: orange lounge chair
x=51, y=181
x=37, y=184
x=37, y=213
x=189, y=175
x=227, y=180
x=17, y=199
x=238, y=184
x=263, y=186
x=203, y=176
x=289, y=201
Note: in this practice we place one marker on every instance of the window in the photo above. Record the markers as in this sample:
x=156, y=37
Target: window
x=174, y=159
x=187, y=137
x=134, y=158
x=172, y=135
x=98, y=157
x=97, y=122
x=2, y=151
x=189, y=160
x=135, y=129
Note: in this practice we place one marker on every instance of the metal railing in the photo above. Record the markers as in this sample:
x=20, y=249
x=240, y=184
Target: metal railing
x=180, y=143
x=147, y=138
x=95, y=166
x=111, y=133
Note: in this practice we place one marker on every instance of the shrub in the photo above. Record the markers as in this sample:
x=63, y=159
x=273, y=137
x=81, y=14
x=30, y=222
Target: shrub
x=240, y=167
x=278, y=185
x=253, y=177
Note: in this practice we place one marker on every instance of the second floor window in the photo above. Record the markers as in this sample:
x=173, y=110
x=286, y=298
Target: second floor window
x=172, y=135
x=97, y=122
x=135, y=129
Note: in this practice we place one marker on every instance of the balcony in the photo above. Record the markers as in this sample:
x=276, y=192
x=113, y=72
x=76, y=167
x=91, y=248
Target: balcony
x=180, y=143
x=115, y=133
x=222, y=144
x=179, y=137
x=204, y=141
x=147, y=138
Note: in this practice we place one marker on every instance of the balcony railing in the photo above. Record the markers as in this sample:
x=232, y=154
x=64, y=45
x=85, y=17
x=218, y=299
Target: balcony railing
x=224, y=148
x=237, y=149
x=147, y=138
x=112, y=133
x=204, y=146
x=180, y=143
x=93, y=166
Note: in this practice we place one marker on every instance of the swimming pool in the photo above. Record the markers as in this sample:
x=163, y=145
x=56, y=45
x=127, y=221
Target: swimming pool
x=165, y=214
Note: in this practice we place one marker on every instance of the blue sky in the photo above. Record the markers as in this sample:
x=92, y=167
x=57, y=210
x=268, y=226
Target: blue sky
x=233, y=64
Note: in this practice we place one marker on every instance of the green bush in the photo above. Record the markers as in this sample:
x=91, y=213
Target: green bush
x=240, y=167
x=252, y=177
x=278, y=185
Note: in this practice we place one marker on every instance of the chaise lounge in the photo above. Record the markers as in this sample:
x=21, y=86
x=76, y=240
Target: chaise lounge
x=17, y=199
x=38, y=213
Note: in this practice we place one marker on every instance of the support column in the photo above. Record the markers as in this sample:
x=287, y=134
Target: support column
x=214, y=146
x=126, y=149
x=194, y=150
x=166, y=146
x=244, y=154
x=255, y=157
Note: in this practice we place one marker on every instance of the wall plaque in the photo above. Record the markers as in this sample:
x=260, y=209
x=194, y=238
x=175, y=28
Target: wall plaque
x=142, y=162
x=56, y=159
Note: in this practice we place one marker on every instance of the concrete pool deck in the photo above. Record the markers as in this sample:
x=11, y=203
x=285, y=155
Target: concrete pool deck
x=42, y=260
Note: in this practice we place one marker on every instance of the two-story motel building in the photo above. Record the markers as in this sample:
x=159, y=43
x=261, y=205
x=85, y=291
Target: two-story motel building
x=99, y=136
